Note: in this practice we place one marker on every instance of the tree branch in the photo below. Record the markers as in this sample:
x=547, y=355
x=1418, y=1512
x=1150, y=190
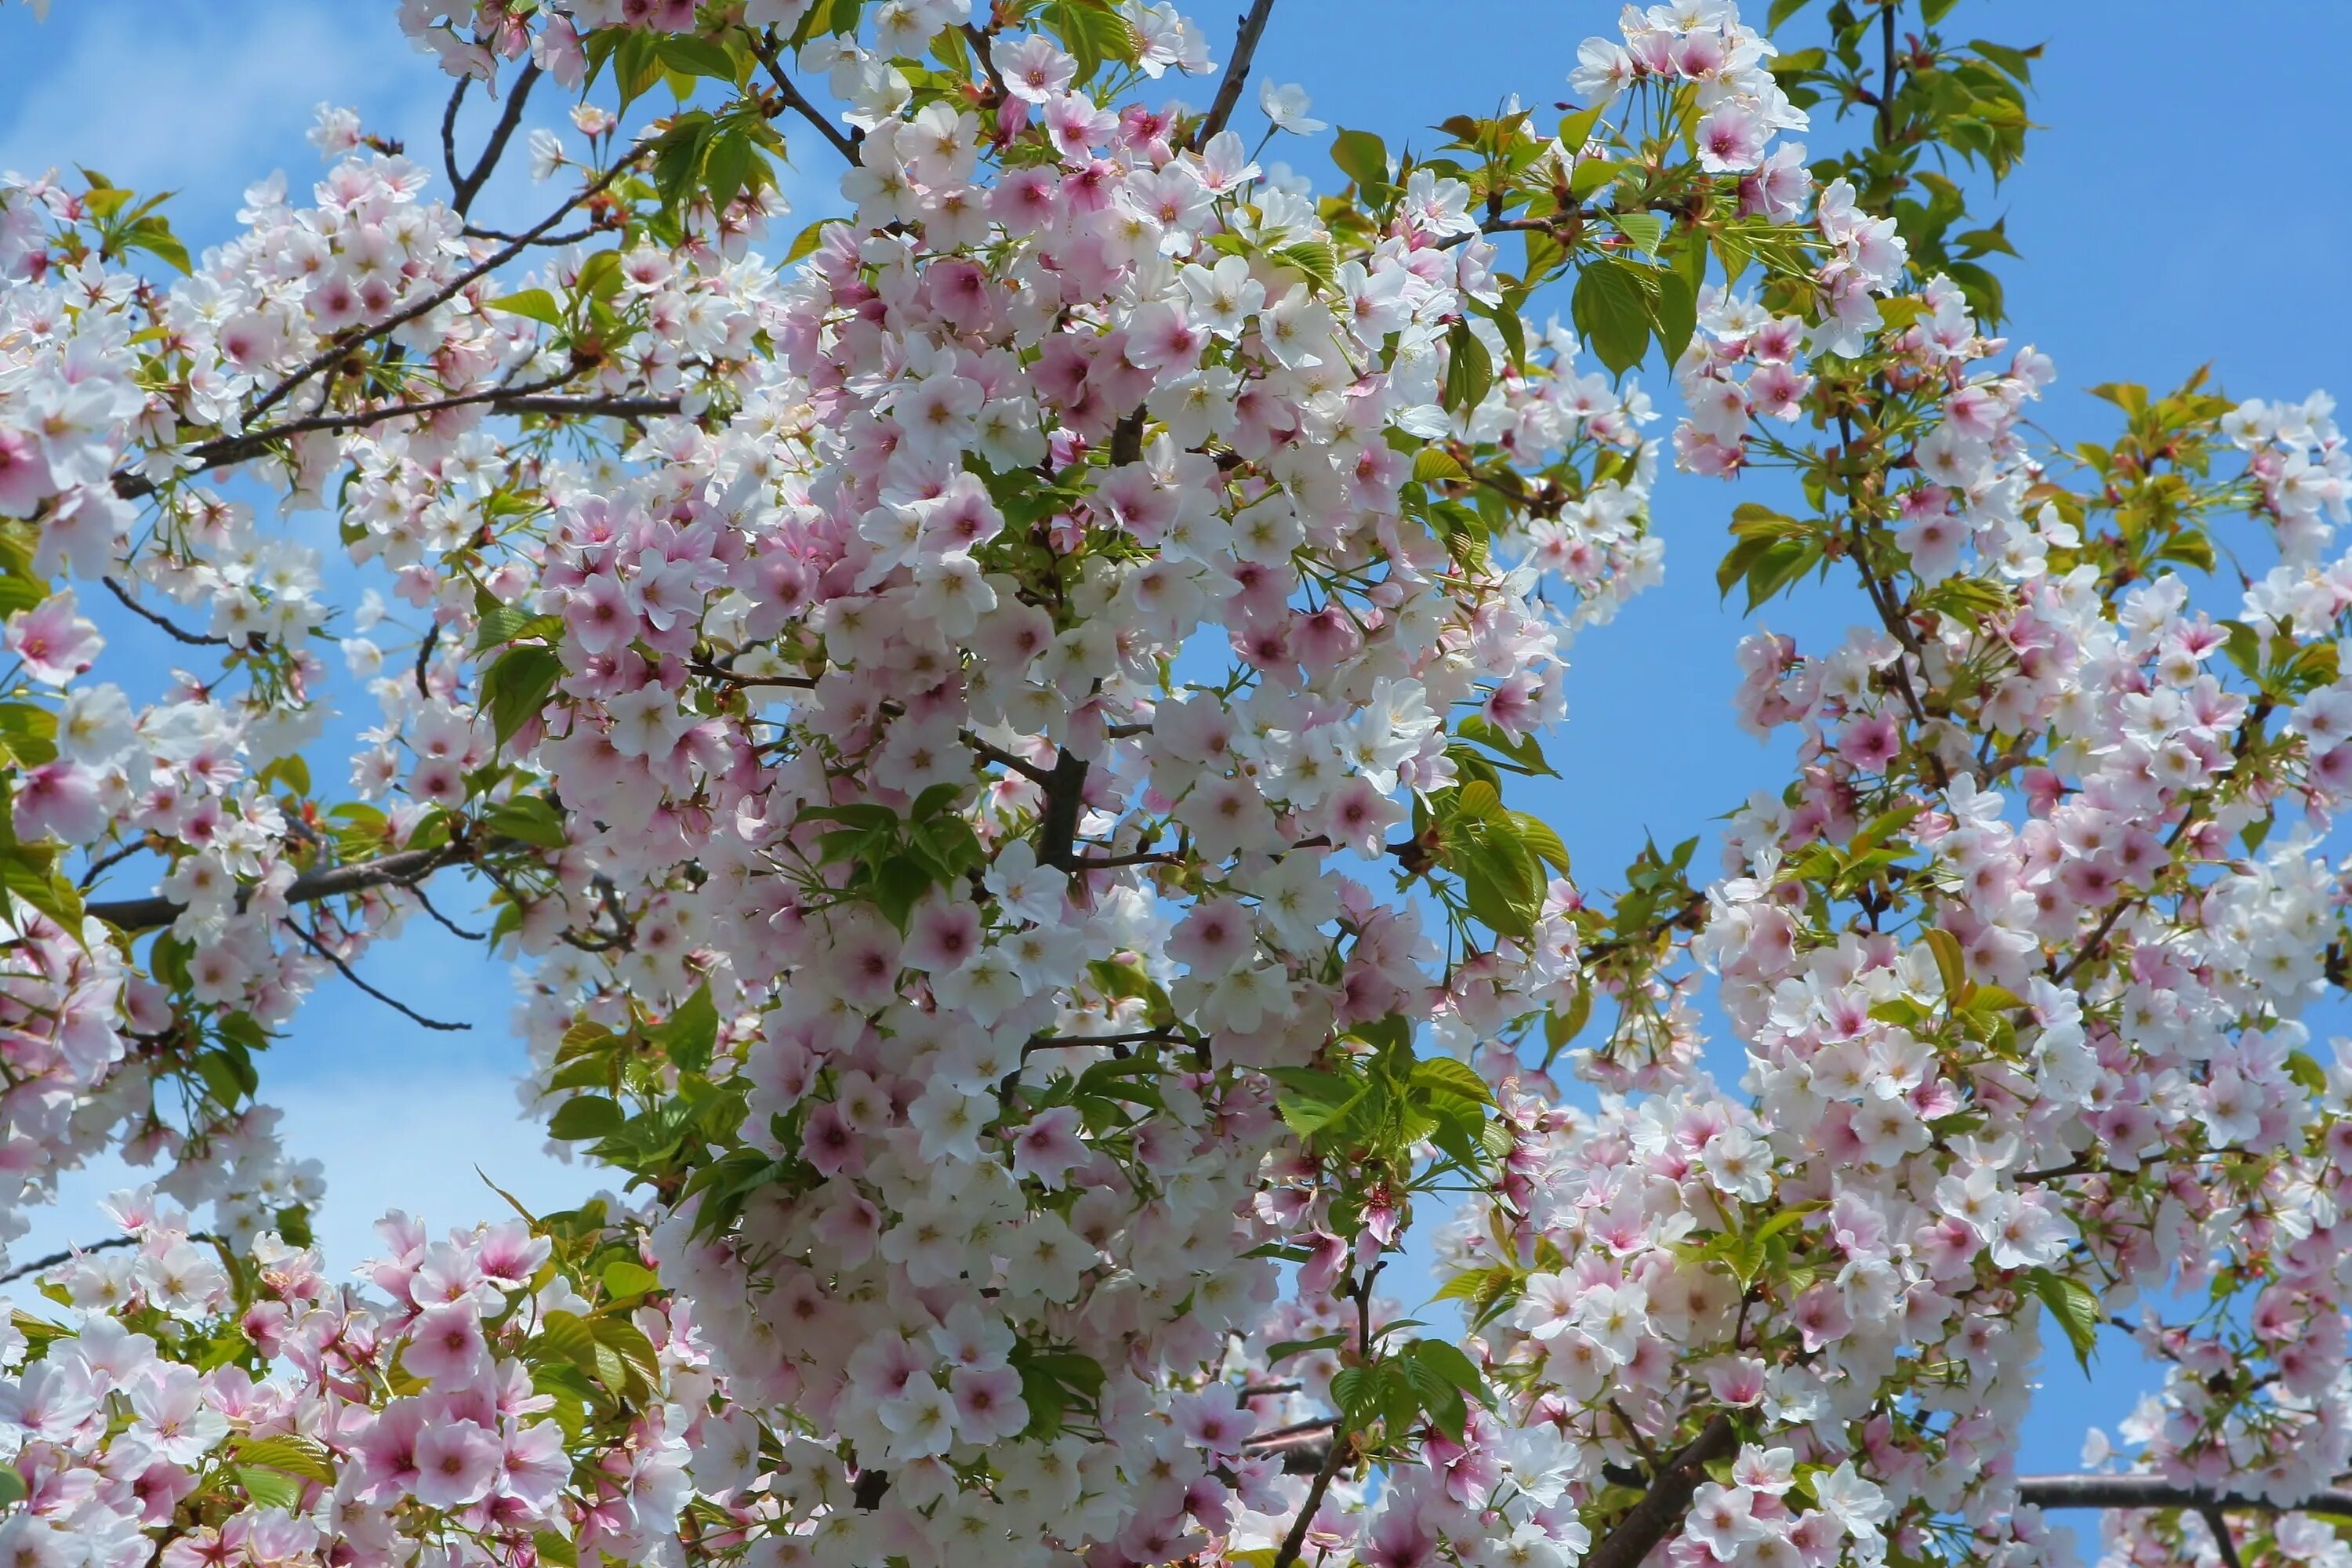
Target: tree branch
x=135, y=915
x=311, y=940
x=1662, y=1508
x=42, y=1265
x=845, y=142
x=1058, y=833
x=526, y=399
x=471, y=186
x=143, y=613
x=2155, y=1491
x=341, y=346
x=1238, y=69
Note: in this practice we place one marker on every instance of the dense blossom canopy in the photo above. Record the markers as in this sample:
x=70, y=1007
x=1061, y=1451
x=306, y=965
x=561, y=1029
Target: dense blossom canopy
x=989, y=727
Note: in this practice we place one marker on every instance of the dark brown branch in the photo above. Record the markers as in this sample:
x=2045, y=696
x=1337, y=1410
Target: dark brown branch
x=1065, y=1042
x=101, y=864
x=525, y=399
x=1334, y=1453
x=1113, y=862
x=844, y=142
x=570, y=237
x=2222, y=1541
x=471, y=186
x=1004, y=759
x=135, y=915
x=2155, y=1491
x=1252, y=26
x=196, y=639
x=311, y=940
x=449, y=132
x=1662, y=1508
x=1058, y=833
x=425, y=646
x=452, y=927
x=341, y=346
x=42, y=1265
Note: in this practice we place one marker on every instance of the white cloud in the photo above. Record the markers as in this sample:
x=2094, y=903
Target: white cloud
x=428, y=1143
x=201, y=98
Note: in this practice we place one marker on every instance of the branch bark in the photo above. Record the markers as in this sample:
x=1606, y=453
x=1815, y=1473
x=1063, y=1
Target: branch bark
x=531, y=398
x=133, y=916
x=2155, y=1491
x=471, y=186
x=843, y=142
x=1238, y=69
x=112, y=1243
x=1662, y=1508
x=341, y=346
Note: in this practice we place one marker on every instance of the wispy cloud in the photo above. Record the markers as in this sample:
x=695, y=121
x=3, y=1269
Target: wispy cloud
x=429, y=1143
x=194, y=96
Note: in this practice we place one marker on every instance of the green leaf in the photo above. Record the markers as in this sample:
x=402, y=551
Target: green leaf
x=692, y=56
x=1469, y=369
x=2306, y=1071
x=586, y=1116
x=2018, y=63
x=1362, y=157
x=32, y=875
x=1315, y=258
x=1436, y=463
x=536, y=304
x=1950, y=964
x=1611, y=311
x=295, y=1456
x=531, y=818
x=2074, y=1306
x=624, y=1277
x=1543, y=842
x=1782, y=11
x=269, y=1489
x=1093, y=31
x=155, y=235
x=727, y=166
x=1645, y=231
x=804, y=243
x=1283, y=1350
x=689, y=1033
x=1676, y=317
x=515, y=688
x=1452, y=1076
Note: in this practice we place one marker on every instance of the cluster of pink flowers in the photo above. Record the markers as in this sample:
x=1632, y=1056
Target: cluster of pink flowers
x=989, y=742
x=236, y=1406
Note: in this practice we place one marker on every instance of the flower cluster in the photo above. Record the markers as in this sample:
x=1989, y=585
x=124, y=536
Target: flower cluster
x=995, y=740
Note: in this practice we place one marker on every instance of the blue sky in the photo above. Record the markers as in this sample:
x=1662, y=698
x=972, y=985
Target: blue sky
x=2163, y=223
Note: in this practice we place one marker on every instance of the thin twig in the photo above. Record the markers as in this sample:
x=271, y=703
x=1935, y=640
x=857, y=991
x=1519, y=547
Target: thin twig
x=194, y=640
x=425, y=646
x=449, y=132
x=471, y=186
x=101, y=864
x=42, y=1265
x=341, y=346
x=135, y=915
x=524, y=399
x=452, y=927
x=311, y=941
